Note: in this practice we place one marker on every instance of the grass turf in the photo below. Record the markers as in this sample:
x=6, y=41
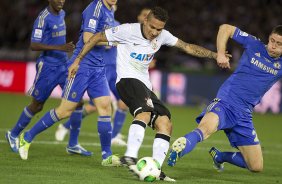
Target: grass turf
x=49, y=163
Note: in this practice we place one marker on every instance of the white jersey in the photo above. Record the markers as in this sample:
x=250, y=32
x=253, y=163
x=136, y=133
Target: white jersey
x=134, y=52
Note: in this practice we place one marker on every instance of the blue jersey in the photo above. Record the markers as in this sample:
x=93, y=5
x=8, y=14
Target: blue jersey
x=50, y=29
x=95, y=18
x=255, y=74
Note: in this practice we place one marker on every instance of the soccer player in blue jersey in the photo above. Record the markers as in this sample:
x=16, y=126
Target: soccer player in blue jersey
x=91, y=78
x=109, y=57
x=259, y=68
x=48, y=36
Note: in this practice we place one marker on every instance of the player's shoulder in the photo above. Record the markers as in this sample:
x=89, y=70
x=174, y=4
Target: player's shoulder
x=43, y=14
x=129, y=26
x=165, y=34
x=62, y=13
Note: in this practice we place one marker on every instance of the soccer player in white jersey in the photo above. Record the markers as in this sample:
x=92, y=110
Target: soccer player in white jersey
x=137, y=45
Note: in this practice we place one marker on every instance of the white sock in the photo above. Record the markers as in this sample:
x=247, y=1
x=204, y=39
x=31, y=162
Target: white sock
x=135, y=138
x=160, y=149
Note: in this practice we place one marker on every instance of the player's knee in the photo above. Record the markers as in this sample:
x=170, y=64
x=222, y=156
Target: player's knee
x=63, y=113
x=35, y=107
x=256, y=167
x=144, y=116
x=104, y=109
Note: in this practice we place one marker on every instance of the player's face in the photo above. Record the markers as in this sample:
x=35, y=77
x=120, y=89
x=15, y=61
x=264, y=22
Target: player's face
x=143, y=14
x=57, y=5
x=152, y=27
x=274, y=46
x=111, y=2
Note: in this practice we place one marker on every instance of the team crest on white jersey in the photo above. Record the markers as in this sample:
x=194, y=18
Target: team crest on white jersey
x=154, y=44
x=277, y=65
x=149, y=102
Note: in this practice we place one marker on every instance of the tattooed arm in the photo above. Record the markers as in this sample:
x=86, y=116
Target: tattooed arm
x=195, y=50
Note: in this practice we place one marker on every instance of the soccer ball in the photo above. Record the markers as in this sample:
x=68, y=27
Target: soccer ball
x=148, y=169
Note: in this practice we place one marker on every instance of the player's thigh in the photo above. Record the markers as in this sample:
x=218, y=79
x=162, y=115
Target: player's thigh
x=209, y=123
x=47, y=78
x=253, y=157
x=135, y=95
x=65, y=108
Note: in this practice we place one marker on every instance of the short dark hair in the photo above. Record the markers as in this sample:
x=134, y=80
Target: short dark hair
x=159, y=13
x=277, y=30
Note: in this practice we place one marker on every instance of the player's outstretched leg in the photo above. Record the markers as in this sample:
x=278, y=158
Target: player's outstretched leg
x=234, y=158
x=184, y=145
x=216, y=157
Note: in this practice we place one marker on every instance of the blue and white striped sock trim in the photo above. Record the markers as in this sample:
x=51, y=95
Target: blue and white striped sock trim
x=54, y=115
x=104, y=118
x=200, y=133
x=27, y=113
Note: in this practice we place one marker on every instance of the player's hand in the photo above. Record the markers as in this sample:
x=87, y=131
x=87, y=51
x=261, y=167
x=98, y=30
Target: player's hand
x=73, y=69
x=68, y=47
x=223, y=60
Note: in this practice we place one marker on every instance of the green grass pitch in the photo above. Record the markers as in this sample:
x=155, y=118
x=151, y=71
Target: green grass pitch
x=48, y=161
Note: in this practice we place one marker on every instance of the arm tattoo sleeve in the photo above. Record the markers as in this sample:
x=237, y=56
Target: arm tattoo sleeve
x=195, y=50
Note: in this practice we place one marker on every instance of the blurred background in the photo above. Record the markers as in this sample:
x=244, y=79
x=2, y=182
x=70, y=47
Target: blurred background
x=194, y=21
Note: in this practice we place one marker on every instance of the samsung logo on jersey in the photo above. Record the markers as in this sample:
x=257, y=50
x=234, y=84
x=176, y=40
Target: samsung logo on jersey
x=264, y=67
x=60, y=33
x=142, y=57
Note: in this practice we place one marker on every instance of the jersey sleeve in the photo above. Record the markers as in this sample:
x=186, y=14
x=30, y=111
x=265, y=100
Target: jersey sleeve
x=243, y=38
x=118, y=34
x=39, y=28
x=91, y=17
x=169, y=39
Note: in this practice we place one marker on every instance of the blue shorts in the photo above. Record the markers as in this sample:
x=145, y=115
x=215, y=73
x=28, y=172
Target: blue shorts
x=46, y=79
x=90, y=79
x=237, y=125
x=111, y=75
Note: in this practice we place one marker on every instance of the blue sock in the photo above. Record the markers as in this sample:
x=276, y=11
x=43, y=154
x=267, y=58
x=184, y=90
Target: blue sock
x=67, y=124
x=45, y=122
x=235, y=158
x=75, y=123
x=192, y=139
x=118, y=121
x=22, y=122
x=105, y=133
